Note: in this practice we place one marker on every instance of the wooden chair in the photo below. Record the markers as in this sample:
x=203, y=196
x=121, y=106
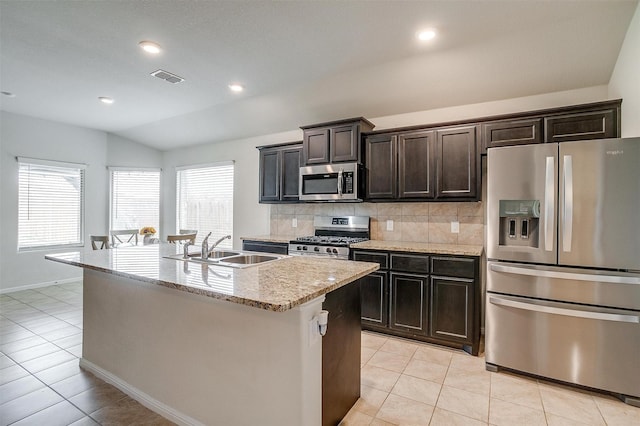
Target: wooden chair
x=122, y=236
x=102, y=240
x=180, y=238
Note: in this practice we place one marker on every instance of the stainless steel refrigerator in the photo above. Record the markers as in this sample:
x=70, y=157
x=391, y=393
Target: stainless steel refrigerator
x=563, y=270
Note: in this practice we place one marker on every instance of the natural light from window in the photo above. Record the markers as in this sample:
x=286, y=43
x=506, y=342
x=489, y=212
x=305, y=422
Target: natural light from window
x=205, y=201
x=50, y=204
x=135, y=198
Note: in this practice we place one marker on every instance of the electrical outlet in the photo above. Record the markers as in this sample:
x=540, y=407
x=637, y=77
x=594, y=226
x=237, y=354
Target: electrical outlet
x=294, y=222
x=389, y=225
x=455, y=227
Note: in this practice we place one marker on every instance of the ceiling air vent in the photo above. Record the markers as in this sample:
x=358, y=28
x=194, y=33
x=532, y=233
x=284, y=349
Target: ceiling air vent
x=171, y=78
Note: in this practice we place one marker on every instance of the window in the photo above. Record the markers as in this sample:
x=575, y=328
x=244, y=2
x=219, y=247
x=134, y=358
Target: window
x=205, y=201
x=50, y=204
x=135, y=198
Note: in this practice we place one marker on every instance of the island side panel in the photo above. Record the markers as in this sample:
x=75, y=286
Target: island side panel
x=341, y=353
x=208, y=360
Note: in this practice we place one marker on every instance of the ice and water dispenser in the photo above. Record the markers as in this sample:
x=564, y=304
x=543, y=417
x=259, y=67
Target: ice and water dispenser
x=519, y=221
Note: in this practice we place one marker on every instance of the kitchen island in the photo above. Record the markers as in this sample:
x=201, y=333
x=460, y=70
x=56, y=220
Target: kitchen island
x=206, y=344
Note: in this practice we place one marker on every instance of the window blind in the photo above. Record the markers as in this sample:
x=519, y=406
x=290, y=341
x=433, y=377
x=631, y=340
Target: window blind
x=50, y=204
x=205, y=201
x=135, y=199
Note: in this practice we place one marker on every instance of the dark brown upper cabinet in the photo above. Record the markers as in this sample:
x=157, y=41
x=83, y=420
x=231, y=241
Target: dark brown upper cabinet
x=381, y=164
x=422, y=165
x=582, y=125
x=598, y=120
x=512, y=132
x=416, y=171
x=280, y=172
x=400, y=165
x=457, y=163
x=334, y=142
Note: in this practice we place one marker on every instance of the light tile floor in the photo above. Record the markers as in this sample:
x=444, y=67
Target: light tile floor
x=40, y=380
x=403, y=382
x=409, y=383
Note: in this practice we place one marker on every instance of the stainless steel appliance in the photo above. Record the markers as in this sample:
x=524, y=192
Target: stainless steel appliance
x=330, y=182
x=333, y=234
x=563, y=276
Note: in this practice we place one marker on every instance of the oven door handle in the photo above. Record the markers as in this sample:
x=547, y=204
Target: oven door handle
x=536, y=306
x=547, y=273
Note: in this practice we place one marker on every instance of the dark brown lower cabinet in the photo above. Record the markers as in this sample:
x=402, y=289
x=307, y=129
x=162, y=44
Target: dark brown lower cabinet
x=265, y=246
x=408, y=303
x=450, y=297
x=374, y=294
x=432, y=298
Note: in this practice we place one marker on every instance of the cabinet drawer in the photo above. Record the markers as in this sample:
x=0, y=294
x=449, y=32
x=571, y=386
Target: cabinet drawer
x=371, y=256
x=453, y=267
x=410, y=263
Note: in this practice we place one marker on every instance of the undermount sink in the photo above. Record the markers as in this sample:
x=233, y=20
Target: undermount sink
x=234, y=259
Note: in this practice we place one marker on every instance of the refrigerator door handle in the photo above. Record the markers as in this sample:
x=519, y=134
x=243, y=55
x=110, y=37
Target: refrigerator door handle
x=567, y=216
x=546, y=273
x=537, y=306
x=549, y=198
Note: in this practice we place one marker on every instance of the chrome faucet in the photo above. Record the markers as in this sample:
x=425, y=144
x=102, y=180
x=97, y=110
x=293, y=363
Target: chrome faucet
x=213, y=246
x=204, y=253
x=185, y=249
x=206, y=250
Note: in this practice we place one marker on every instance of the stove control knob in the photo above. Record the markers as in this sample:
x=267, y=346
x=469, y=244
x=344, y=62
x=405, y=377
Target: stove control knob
x=335, y=250
x=316, y=249
x=328, y=250
x=298, y=248
x=304, y=247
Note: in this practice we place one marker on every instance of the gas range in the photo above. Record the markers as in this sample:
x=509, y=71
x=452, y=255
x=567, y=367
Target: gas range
x=333, y=234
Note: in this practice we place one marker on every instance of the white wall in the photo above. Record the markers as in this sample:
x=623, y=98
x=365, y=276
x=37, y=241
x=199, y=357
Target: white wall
x=487, y=109
x=249, y=217
x=31, y=137
x=625, y=80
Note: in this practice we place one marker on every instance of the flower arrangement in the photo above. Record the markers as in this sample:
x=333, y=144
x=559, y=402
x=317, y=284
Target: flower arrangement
x=148, y=230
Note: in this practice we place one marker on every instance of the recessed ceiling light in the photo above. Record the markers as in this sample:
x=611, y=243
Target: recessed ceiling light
x=236, y=87
x=106, y=100
x=8, y=94
x=426, y=35
x=150, y=47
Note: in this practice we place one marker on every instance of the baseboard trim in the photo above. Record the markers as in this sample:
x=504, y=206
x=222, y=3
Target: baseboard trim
x=39, y=285
x=143, y=398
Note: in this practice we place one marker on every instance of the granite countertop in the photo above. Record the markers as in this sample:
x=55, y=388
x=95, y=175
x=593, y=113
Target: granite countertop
x=270, y=238
x=275, y=286
x=415, y=247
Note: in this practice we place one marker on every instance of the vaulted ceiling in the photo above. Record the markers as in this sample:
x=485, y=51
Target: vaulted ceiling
x=301, y=62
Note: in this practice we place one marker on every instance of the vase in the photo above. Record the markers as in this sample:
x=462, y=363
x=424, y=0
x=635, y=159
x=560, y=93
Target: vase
x=147, y=239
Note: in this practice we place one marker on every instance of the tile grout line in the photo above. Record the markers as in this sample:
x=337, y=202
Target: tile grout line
x=33, y=375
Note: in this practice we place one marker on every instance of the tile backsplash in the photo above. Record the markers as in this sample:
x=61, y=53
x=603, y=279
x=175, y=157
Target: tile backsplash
x=423, y=222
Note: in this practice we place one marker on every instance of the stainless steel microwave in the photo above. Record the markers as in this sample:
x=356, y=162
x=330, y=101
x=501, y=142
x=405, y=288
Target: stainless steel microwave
x=330, y=182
